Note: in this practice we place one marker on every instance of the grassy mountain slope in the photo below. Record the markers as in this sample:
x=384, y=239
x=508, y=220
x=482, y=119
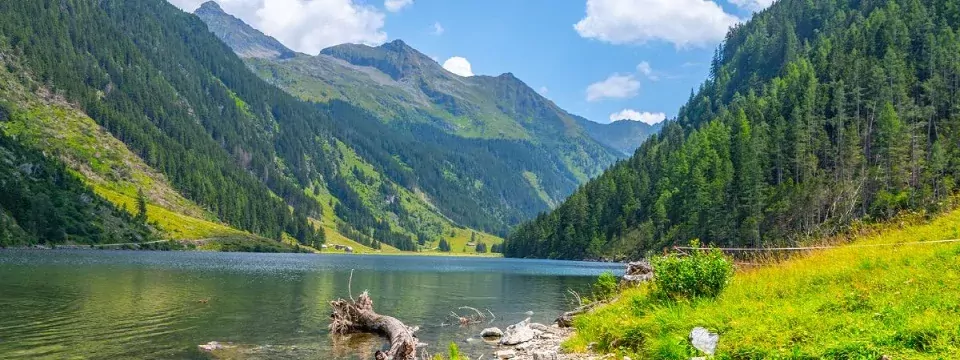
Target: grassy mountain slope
x=43, y=203
x=817, y=113
x=853, y=302
x=46, y=122
x=402, y=86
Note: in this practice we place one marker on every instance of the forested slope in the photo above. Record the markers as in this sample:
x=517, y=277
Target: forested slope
x=42, y=203
x=141, y=70
x=155, y=85
x=817, y=114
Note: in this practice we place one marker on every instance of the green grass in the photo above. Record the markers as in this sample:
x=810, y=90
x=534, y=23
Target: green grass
x=459, y=243
x=535, y=183
x=845, y=303
x=175, y=226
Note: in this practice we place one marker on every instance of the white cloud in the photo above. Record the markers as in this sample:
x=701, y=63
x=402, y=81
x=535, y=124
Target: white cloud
x=645, y=69
x=396, y=5
x=459, y=66
x=681, y=22
x=633, y=115
x=543, y=91
x=616, y=86
x=438, y=29
x=307, y=25
x=752, y=5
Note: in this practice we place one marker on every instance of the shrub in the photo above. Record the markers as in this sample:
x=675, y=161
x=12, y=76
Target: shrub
x=454, y=352
x=605, y=287
x=703, y=273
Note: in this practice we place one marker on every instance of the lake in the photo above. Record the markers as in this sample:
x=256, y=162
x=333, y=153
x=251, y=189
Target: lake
x=160, y=305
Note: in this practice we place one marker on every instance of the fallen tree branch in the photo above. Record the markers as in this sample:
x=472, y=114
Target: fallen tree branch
x=358, y=317
x=566, y=319
x=470, y=319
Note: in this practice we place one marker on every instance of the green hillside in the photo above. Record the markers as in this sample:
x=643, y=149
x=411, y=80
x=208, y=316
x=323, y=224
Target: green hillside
x=817, y=114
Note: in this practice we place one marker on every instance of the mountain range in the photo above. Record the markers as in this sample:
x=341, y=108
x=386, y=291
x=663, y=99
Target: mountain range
x=552, y=151
x=158, y=120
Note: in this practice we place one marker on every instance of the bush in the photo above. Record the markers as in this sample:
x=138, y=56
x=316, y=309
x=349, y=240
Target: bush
x=454, y=353
x=704, y=273
x=605, y=287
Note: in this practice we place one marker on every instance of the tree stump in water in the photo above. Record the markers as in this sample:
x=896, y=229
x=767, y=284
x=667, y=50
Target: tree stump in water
x=358, y=317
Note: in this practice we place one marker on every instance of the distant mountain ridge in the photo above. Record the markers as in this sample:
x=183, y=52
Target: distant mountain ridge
x=339, y=69
x=623, y=135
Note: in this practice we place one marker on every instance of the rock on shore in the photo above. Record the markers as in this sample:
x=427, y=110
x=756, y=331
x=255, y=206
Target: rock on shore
x=532, y=341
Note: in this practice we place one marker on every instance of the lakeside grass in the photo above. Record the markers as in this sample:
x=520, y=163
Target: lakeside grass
x=849, y=302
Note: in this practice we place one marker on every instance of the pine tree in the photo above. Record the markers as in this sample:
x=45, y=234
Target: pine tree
x=141, y=206
x=444, y=245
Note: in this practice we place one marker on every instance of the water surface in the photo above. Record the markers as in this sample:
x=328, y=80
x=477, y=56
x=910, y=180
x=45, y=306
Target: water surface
x=161, y=305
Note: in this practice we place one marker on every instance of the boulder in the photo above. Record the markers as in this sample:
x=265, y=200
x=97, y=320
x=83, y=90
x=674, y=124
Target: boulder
x=519, y=333
x=704, y=340
x=637, y=273
x=491, y=333
x=506, y=354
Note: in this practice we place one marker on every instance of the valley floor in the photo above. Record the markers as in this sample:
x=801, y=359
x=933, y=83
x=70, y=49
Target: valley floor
x=852, y=302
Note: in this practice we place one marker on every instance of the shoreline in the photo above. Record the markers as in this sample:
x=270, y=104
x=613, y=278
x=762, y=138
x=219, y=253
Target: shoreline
x=118, y=247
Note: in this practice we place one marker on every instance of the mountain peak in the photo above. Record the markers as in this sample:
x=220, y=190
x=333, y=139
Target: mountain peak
x=396, y=44
x=395, y=58
x=246, y=41
x=508, y=75
x=210, y=6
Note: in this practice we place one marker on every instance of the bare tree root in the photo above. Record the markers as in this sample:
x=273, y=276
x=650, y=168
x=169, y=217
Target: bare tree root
x=358, y=317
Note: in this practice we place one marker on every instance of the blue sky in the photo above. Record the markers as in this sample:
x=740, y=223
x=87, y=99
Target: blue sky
x=637, y=59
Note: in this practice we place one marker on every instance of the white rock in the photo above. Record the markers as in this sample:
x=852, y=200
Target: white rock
x=491, y=333
x=704, y=340
x=518, y=333
x=210, y=346
x=506, y=354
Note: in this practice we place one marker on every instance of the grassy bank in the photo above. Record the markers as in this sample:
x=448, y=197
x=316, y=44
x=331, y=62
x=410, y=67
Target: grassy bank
x=852, y=302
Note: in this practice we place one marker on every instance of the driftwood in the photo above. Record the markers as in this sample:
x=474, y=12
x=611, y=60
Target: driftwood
x=566, y=319
x=358, y=317
x=476, y=318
